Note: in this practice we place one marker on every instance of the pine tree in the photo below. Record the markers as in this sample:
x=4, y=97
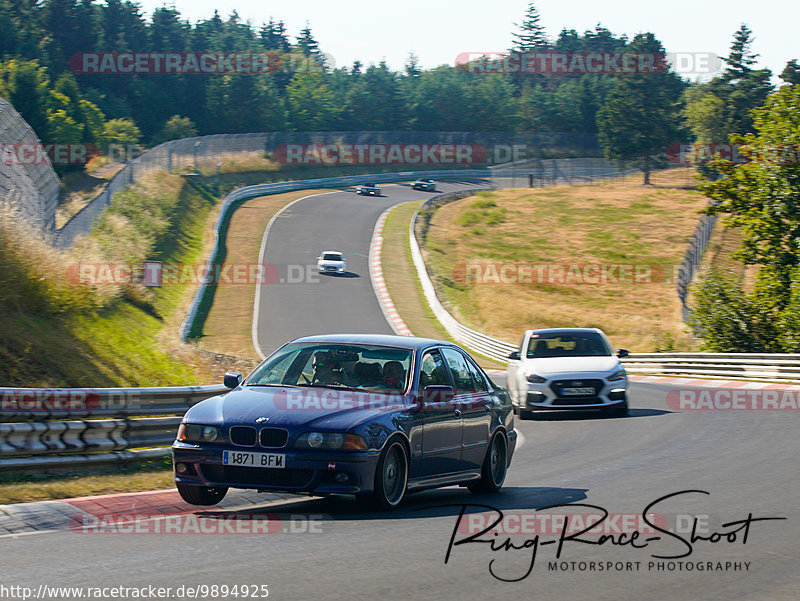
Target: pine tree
x=740, y=58
x=639, y=117
x=531, y=35
x=791, y=73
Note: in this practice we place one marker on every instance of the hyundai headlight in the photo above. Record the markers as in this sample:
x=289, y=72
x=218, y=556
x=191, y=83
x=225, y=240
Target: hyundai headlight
x=617, y=375
x=534, y=379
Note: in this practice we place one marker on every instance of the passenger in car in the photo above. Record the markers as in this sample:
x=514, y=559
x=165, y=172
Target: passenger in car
x=369, y=374
x=394, y=376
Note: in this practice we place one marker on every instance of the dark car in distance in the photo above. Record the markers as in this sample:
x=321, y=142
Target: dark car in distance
x=370, y=415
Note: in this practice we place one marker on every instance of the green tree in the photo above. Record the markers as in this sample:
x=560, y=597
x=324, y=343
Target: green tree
x=760, y=196
x=375, y=101
x=705, y=115
x=639, y=117
x=311, y=102
x=731, y=321
x=791, y=73
x=175, y=128
x=26, y=87
x=121, y=131
x=273, y=36
x=531, y=35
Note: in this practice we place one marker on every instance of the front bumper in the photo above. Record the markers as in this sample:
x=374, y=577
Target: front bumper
x=325, y=472
x=331, y=268
x=548, y=395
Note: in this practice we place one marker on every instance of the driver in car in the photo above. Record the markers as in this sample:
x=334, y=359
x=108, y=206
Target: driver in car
x=325, y=369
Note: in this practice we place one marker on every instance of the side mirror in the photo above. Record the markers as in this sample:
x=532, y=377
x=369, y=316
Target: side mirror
x=232, y=379
x=514, y=356
x=622, y=353
x=438, y=394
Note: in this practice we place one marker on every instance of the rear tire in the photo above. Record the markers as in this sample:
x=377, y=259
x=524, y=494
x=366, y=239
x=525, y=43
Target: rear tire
x=495, y=466
x=202, y=495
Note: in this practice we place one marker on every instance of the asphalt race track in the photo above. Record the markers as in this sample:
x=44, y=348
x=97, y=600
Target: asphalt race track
x=303, y=302
x=746, y=460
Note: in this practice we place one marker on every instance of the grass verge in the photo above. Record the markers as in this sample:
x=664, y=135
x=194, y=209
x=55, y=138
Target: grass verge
x=402, y=281
x=229, y=309
x=609, y=224
x=130, y=477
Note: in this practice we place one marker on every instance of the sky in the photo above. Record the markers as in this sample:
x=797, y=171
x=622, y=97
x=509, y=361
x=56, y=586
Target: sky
x=437, y=31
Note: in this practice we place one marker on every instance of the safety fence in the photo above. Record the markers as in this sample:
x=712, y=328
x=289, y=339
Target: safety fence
x=691, y=260
x=192, y=153
x=27, y=180
x=74, y=428
x=59, y=428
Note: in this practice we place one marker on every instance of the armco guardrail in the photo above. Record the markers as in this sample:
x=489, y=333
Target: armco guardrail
x=40, y=429
x=48, y=428
x=762, y=366
x=276, y=188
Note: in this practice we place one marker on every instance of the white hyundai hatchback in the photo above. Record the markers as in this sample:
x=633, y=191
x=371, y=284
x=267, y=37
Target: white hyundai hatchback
x=331, y=261
x=567, y=369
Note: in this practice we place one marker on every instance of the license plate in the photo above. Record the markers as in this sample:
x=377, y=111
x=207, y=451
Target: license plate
x=577, y=391
x=273, y=460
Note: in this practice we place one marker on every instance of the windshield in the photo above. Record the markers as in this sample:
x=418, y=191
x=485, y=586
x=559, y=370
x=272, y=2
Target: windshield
x=331, y=257
x=362, y=367
x=588, y=344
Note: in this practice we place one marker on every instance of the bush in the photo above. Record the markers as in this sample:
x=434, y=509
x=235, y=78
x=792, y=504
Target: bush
x=731, y=321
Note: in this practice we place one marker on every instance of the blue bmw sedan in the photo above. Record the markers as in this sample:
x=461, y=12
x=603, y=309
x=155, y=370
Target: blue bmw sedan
x=373, y=416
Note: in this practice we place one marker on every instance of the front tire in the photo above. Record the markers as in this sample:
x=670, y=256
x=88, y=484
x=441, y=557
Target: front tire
x=391, y=477
x=495, y=466
x=618, y=410
x=202, y=495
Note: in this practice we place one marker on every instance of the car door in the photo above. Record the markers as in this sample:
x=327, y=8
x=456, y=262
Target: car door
x=441, y=420
x=475, y=406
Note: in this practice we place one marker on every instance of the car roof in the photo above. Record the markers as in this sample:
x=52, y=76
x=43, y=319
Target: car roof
x=567, y=330
x=338, y=252
x=405, y=342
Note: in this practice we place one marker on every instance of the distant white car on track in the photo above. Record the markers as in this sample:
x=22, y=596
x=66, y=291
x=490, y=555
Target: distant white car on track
x=567, y=369
x=368, y=190
x=424, y=183
x=331, y=261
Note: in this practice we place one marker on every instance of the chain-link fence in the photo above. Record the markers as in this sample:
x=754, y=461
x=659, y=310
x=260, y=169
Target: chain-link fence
x=27, y=180
x=691, y=260
x=191, y=153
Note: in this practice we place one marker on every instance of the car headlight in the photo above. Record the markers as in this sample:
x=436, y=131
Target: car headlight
x=617, y=375
x=330, y=440
x=198, y=433
x=534, y=379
